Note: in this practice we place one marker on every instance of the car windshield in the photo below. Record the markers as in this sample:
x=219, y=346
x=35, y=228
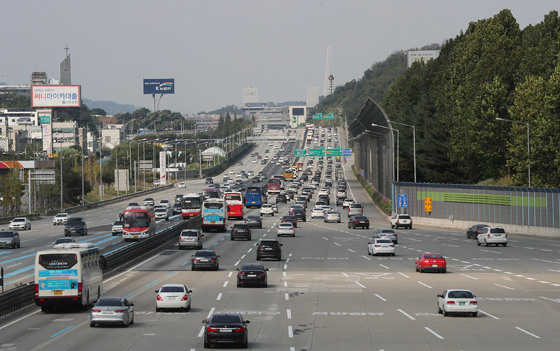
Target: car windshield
x=109, y=302
x=6, y=234
x=18, y=220
x=74, y=221
x=254, y=218
x=204, y=254
x=189, y=233
x=433, y=256
x=460, y=295
x=61, y=215
x=117, y=223
x=388, y=231
x=242, y=226
x=63, y=240
x=172, y=289
x=227, y=319
x=160, y=210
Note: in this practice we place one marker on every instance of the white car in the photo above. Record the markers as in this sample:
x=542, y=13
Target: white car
x=457, y=301
x=491, y=235
x=347, y=203
x=318, y=212
x=182, y=186
x=286, y=229
x=324, y=191
x=254, y=161
x=266, y=209
x=60, y=218
x=238, y=175
x=381, y=246
x=161, y=213
x=231, y=171
x=341, y=194
x=22, y=223
x=173, y=296
x=332, y=216
x=165, y=203
x=274, y=207
x=401, y=220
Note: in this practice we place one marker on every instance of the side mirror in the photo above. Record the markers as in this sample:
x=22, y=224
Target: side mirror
x=192, y=255
x=131, y=304
x=201, y=234
x=205, y=321
x=439, y=296
x=237, y=269
x=190, y=291
x=369, y=243
x=157, y=291
x=218, y=256
x=266, y=269
x=281, y=244
x=247, y=322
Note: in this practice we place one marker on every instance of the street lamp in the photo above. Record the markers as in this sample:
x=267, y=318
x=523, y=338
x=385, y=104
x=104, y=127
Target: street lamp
x=61, y=175
x=413, y=142
x=102, y=188
x=528, y=145
x=377, y=125
x=82, y=200
x=154, y=157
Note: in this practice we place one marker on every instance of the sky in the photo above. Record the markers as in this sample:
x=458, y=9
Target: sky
x=215, y=48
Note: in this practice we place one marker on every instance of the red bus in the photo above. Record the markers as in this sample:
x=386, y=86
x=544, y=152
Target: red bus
x=274, y=186
x=299, y=165
x=139, y=222
x=191, y=205
x=234, y=200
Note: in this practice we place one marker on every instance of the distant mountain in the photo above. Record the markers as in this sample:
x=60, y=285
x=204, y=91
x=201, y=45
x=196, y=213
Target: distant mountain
x=110, y=107
x=229, y=108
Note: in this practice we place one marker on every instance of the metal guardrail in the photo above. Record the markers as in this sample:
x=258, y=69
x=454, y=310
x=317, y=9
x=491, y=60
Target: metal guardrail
x=17, y=298
x=30, y=216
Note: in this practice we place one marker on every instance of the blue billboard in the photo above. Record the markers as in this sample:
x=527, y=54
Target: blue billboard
x=159, y=86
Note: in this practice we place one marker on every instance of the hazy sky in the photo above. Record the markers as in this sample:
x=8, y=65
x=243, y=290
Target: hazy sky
x=215, y=48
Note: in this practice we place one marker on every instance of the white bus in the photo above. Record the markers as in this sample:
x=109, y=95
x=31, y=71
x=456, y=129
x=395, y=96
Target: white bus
x=68, y=274
x=214, y=215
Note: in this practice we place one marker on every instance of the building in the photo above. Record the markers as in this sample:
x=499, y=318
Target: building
x=250, y=95
x=204, y=122
x=64, y=134
x=312, y=99
x=19, y=116
x=297, y=116
x=271, y=117
x=112, y=135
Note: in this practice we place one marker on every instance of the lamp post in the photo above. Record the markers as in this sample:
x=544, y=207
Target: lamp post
x=413, y=143
x=61, y=174
x=143, y=159
x=100, y=174
x=377, y=125
x=82, y=147
x=528, y=145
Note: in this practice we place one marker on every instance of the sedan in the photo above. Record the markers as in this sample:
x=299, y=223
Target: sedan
x=358, y=222
x=347, y=203
x=161, y=213
x=289, y=219
x=381, y=246
x=299, y=213
x=226, y=328
x=286, y=229
x=318, y=212
x=274, y=207
x=205, y=259
x=431, y=261
x=252, y=274
x=332, y=216
x=254, y=221
x=112, y=310
x=9, y=238
x=457, y=301
x=20, y=223
x=173, y=296
x=476, y=229
x=387, y=234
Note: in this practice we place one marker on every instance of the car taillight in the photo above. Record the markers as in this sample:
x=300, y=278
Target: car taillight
x=96, y=311
x=392, y=245
x=185, y=298
x=79, y=289
x=241, y=273
x=277, y=247
x=212, y=259
x=262, y=273
x=367, y=221
x=478, y=231
x=488, y=235
x=211, y=330
x=450, y=302
x=383, y=234
x=239, y=330
x=357, y=222
x=474, y=303
x=195, y=259
x=159, y=298
x=377, y=245
x=119, y=311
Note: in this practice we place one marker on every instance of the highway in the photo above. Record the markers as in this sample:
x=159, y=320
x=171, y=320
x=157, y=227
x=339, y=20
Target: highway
x=326, y=293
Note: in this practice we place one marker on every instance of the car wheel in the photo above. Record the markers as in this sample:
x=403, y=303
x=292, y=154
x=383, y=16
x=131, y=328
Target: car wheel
x=92, y=325
x=206, y=345
x=132, y=321
x=19, y=245
x=188, y=309
x=265, y=285
x=421, y=270
x=392, y=254
x=392, y=226
x=505, y=244
x=238, y=285
x=445, y=313
x=439, y=311
x=485, y=243
x=231, y=237
x=417, y=269
x=474, y=314
x=478, y=243
x=444, y=270
x=249, y=238
x=217, y=268
x=193, y=268
x=258, y=258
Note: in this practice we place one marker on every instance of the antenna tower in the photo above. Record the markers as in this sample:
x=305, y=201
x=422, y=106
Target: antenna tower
x=329, y=73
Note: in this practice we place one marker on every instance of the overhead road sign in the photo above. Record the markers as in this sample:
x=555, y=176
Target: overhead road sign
x=329, y=116
x=299, y=153
x=319, y=116
x=316, y=152
x=334, y=152
x=347, y=152
x=159, y=86
x=402, y=200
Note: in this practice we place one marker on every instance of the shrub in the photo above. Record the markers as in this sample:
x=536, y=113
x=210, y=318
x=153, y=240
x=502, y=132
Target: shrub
x=377, y=199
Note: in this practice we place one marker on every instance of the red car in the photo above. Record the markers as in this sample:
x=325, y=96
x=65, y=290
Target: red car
x=431, y=261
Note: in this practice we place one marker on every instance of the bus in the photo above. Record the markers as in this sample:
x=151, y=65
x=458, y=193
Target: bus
x=273, y=186
x=69, y=274
x=191, y=205
x=211, y=193
x=289, y=174
x=234, y=200
x=299, y=165
x=214, y=215
x=254, y=196
x=139, y=222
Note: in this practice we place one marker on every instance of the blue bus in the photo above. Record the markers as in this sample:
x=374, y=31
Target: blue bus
x=254, y=196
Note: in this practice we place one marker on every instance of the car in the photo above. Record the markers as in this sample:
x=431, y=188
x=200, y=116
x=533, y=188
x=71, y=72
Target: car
x=190, y=238
x=289, y=219
x=173, y=296
x=281, y=198
x=266, y=209
x=457, y=301
x=387, y=234
x=239, y=175
x=259, y=157
x=254, y=221
x=182, y=186
x=492, y=235
x=332, y=216
x=117, y=228
x=240, y=231
x=157, y=183
x=222, y=328
x=133, y=204
x=64, y=241
x=473, y=231
x=177, y=208
x=231, y=171
x=149, y=201
x=22, y=223
x=274, y=207
x=245, y=176
x=324, y=191
x=178, y=198
x=347, y=203
x=266, y=151
x=325, y=198
x=286, y=229
x=339, y=201
x=205, y=259
x=162, y=213
x=269, y=248
x=60, y=218
x=358, y=222
x=9, y=238
x=318, y=212
x=401, y=220
x=75, y=225
x=299, y=213
x=254, y=161
x=263, y=162
x=381, y=246
x=289, y=194
x=257, y=179
x=112, y=310
x=252, y=274
x=341, y=193
x=355, y=209
x=431, y=262
x=165, y=203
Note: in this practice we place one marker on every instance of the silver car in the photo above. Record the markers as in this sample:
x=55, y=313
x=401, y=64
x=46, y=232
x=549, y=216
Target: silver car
x=162, y=213
x=9, y=238
x=173, y=296
x=387, y=234
x=20, y=223
x=190, y=238
x=332, y=216
x=112, y=310
x=286, y=228
x=355, y=210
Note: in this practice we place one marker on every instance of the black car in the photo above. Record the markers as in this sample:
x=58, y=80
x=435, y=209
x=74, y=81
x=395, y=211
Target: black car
x=299, y=213
x=269, y=248
x=209, y=180
x=289, y=219
x=324, y=198
x=340, y=201
x=257, y=179
x=177, y=208
x=254, y=221
x=253, y=273
x=358, y=222
x=205, y=259
x=75, y=225
x=130, y=204
x=281, y=198
x=473, y=231
x=226, y=328
x=240, y=231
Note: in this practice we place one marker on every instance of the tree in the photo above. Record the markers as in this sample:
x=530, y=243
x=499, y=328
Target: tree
x=10, y=188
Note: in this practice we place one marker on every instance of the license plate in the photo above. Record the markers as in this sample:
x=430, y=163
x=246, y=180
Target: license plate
x=136, y=237
x=362, y=221
x=252, y=275
x=203, y=260
x=253, y=202
x=212, y=222
x=107, y=312
x=267, y=248
x=57, y=292
x=462, y=303
x=226, y=330
x=434, y=265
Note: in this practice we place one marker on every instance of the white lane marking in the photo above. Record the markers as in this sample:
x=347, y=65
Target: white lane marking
x=290, y=332
x=367, y=258
x=544, y=282
x=285, y=284
x=406, y=314
x=201, y=333
x=433, y=332
x=250, y=250
x=236, y=263
x=380, y=297
x=468, y=276
x=496, y=252
x=360, y=285
x=546, y=298
x=242, y=257
x=404, y=275
x=20, y=319
x=351, y=250
x=289, y=314
x=284, y=274
x=285, y=266
x=290, y=255
x=450, y=245
x=325, y=238
x=536, y=259
x=337, y=244
x=344, y=274
x=523, y=330
x=503, y=286
x=546, y=250
x=17, y=264
x=225, y=283
x=488, y=314
x=229, y=275
x=529, y=248
x=211, y=312
x=384, y=266
x=219, y=297
x=425, y=285
x=286, y=296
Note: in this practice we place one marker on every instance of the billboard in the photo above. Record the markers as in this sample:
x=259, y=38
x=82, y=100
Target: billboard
x=55, y=96
x=162, y=168
x=421, y=55
x=159, y=86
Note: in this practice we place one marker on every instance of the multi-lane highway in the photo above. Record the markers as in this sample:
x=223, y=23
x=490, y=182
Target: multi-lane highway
x=325, y=294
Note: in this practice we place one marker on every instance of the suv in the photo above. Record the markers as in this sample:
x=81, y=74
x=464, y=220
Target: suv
x=9, y=238
x=299, y=213
x=75, y=225
x=209, y=180
x=492, y=235
x=190, y=238
x=60, y=218
x=149, y=201
x=20, y=223
x=355, y=210
x=401, y=220
x=281, y=198
x=240, y=231
x=117, y=228
x=269, y=248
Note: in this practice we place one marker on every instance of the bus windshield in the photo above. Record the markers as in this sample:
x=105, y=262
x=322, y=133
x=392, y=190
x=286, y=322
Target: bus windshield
x=191, y=203
x=58, y=261
x=232, y=198
x=254, y=190
x=214, y=206
x=274, y=181
x=135, y=219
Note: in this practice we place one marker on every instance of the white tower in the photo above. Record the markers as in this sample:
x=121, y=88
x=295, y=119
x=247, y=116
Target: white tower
x=329, y=73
